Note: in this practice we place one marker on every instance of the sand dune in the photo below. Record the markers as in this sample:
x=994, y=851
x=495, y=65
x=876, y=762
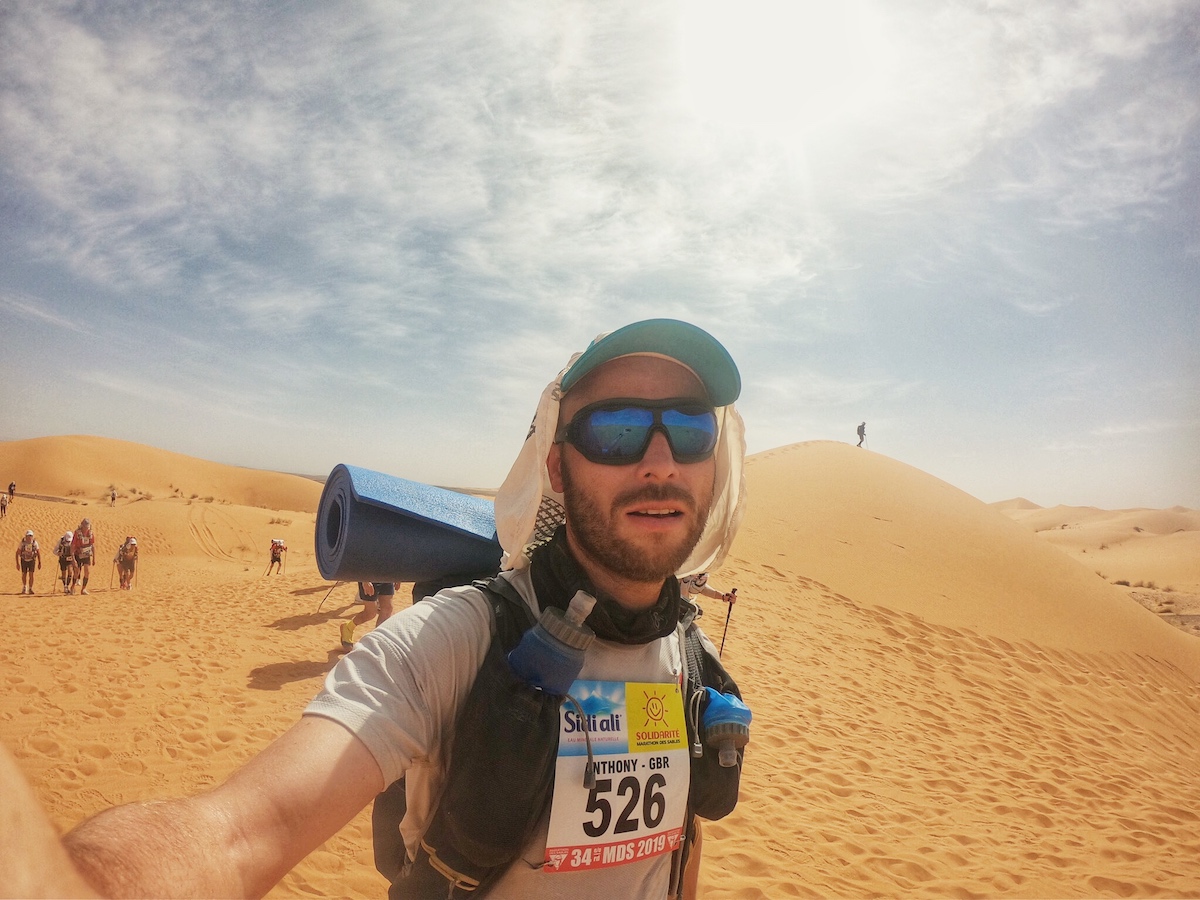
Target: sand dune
x=874, y=528
x=1159, y=545
x=946, y=703
x=1015, y=503
x=86, y=468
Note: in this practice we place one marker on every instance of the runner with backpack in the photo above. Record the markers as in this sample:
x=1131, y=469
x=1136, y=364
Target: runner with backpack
x=692, y=586
x=66, y=561
x=28, y=553
x=126, y=561
x=561, y=727
x=278, y=549
x=83, y=548
x=376, y=598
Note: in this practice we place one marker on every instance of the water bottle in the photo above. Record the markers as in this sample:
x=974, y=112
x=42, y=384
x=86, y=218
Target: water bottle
x=550, y=654
x=726, y=725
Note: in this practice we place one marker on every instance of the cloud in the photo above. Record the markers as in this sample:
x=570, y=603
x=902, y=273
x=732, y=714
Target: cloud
x=1139, y=428
x=427, y=207
x=37, y=310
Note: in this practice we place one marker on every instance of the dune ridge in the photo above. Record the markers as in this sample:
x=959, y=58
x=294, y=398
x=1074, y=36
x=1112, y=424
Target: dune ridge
x=874, y=527
x=1160, y=545
x=945, y=703
x=84, y=467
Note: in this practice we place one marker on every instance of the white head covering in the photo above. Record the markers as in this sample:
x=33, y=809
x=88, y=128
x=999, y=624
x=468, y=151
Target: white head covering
x=528, y=509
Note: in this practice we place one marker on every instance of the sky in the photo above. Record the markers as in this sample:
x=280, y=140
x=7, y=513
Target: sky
x=286, y=235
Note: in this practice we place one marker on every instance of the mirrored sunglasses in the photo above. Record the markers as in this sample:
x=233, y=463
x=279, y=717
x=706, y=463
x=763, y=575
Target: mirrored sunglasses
x=618, y=432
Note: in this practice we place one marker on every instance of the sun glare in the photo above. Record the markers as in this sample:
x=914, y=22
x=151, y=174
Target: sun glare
x=786, y=66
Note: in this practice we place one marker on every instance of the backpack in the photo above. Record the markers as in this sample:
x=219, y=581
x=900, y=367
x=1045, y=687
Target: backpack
x=28, y=550
x=482, y=823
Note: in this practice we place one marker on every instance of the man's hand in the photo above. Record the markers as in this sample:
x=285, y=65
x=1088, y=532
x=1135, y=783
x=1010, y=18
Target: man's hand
x=731, y=597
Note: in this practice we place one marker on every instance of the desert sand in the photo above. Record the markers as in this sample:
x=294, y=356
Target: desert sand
x=948, y=699
x=1153, y=553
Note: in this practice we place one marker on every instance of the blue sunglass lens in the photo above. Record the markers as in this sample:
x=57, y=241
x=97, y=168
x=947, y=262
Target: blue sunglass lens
x=617, y=433
x=690, y=434
x=621, y=435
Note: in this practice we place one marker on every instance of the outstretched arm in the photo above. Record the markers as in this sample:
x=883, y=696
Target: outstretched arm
x=32, y=861
x=242, y=837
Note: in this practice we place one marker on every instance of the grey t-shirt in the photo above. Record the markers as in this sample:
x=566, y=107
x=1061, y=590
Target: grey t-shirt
x=399, y=691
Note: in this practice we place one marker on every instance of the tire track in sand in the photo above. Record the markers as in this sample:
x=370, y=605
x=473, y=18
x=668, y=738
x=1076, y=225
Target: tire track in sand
x=220, y=536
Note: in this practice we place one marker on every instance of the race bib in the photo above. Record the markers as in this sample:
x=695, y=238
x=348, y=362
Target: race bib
x=637, y=808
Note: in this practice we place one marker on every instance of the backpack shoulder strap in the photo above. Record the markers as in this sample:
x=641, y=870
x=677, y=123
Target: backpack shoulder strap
x=713, y=791
x=705, y=668
x=509, y=610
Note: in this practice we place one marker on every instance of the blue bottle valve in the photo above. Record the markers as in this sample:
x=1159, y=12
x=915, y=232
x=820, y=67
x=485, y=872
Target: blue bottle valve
x=550, y=654
x=726, y=725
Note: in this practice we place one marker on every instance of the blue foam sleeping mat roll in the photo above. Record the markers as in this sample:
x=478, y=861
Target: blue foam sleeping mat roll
x=377, y=527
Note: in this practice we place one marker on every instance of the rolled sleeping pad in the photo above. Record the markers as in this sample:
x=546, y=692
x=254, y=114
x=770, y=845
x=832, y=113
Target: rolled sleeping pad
x=377, y=527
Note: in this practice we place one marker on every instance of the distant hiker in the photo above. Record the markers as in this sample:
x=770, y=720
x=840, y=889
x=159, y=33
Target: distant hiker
x=12, y=490
x=692, y=585
x=3, y=505
x=112, y=498
x=862, y=433
x=83, y=548
x=66, y=562
x=278, y=548
x=126, y=560
x=376, y=597
x=28, y=553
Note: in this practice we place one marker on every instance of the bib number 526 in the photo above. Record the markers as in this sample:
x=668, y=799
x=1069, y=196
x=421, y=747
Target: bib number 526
x=631, y=798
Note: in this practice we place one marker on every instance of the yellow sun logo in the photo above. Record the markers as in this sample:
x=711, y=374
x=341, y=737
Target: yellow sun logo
x=656, y=709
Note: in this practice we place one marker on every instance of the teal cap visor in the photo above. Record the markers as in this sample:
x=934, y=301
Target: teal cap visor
x=685, y=343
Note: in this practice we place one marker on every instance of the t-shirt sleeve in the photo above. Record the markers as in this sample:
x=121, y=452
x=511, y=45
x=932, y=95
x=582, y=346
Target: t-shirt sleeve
x=400, y=688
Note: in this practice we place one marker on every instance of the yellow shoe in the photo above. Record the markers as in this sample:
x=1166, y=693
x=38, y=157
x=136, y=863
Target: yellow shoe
x=347, y=634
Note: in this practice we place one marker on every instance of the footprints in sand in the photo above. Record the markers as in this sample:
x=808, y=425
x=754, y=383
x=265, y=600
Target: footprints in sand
x=892, y=756
x=163, y=703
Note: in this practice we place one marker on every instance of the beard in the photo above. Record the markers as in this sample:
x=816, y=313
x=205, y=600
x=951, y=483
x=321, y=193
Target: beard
x=594, y=529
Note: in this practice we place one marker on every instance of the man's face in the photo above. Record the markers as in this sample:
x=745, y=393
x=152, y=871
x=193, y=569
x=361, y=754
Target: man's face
x=637, y=522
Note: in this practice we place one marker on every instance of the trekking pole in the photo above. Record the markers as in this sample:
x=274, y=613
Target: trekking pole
x=112, y=572
x=283, y=568
x=265, y=571
x=326, y=597
x=727, y=617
